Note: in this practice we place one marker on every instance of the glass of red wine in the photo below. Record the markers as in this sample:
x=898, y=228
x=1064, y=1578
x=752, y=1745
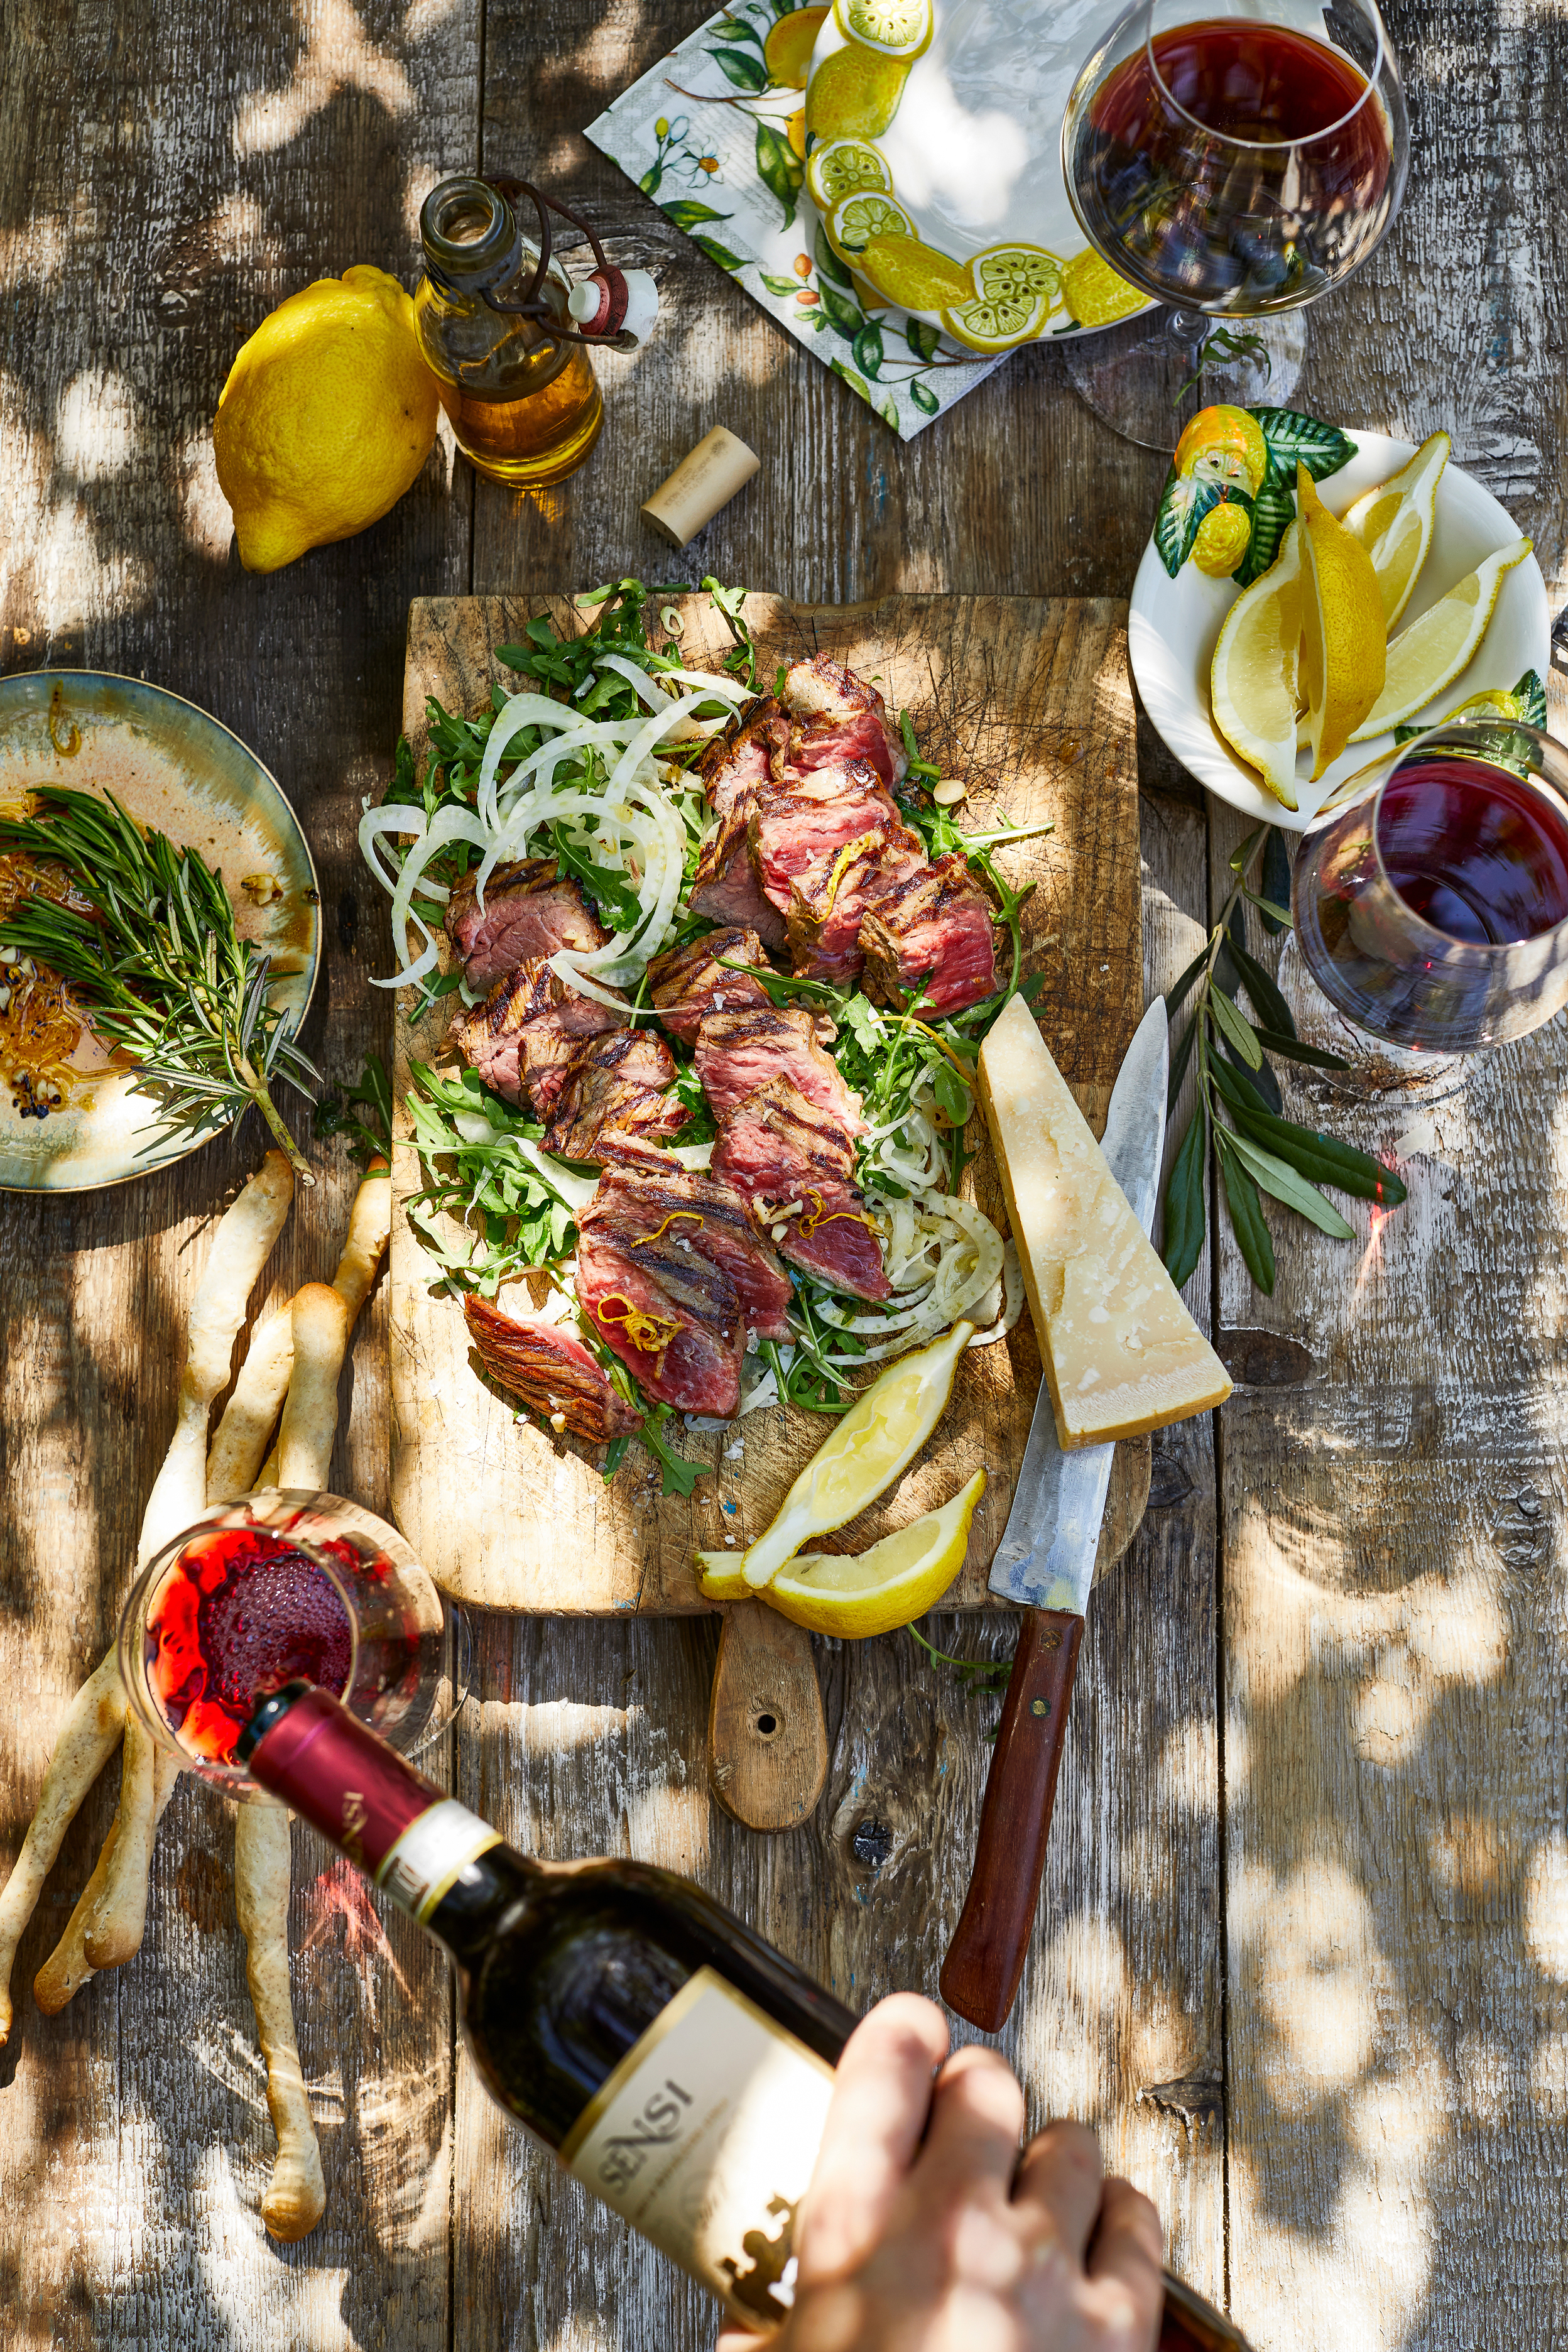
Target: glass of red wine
x=1234, y=164
x=276, y=1586
x=1431, y=892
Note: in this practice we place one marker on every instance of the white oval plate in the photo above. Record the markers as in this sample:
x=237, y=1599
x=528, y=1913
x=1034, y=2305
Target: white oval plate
x=1173, y=626
x=975, y=150
x=178, y=769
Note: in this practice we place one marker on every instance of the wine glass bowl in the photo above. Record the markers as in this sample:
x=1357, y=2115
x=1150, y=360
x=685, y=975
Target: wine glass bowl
x=1430, y=893
x=277, y=1585
x=1239, y=163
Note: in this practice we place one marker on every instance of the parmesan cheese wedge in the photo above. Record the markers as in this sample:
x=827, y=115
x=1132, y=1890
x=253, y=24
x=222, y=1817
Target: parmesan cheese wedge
x=1121, y=1353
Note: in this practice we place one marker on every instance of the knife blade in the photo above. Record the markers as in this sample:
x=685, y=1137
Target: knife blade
x=1045, y=1565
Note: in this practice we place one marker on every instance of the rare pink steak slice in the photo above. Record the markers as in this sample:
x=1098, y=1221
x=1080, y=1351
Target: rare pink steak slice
x=531, y=909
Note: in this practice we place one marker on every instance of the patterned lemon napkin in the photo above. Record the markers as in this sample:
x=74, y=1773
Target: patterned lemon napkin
x=715, y=135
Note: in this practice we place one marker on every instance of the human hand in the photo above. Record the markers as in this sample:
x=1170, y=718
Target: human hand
x=959, y=2244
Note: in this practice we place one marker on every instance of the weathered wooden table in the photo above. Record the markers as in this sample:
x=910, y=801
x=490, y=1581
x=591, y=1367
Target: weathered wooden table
x=1303, y=1951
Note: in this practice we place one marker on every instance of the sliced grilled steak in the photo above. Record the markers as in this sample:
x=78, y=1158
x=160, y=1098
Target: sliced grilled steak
x=836, y=716
x=670, y=1316
x=617, y=1081
x=830, y=900
x=726, y=888
x=794, y=829
x=620, y=1148
x=737, y=765
x=782, y=1152
x=938, y=923
x=686, y=982
x=531, y=909
x=700, y=1213
x=550, y=1370
x=737, y=1053
x=521, y=1038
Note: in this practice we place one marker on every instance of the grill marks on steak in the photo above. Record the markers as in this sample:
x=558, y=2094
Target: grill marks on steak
x=531, y=909
x=736, y=767
x=726, y=886
x=836, y=716
x=521, y=1039
x=673, y=1316
x=738, y=1053
x=650, y=1211
x=804, y=825
x=935, y=925
x=616, y=1081
x=550, y=1370
x=830, y=900
x=783, y=1151
x=690, y=982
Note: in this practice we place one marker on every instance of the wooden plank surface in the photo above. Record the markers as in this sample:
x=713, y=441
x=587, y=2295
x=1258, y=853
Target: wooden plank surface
x=168, y=174
x=1030, y=702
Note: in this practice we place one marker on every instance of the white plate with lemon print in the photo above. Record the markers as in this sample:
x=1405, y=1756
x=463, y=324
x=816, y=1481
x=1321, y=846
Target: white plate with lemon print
x=1175, y=625
x=934, y=159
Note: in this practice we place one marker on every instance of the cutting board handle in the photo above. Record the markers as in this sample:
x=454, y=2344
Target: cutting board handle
x=767, y=1737
x=986, y=1959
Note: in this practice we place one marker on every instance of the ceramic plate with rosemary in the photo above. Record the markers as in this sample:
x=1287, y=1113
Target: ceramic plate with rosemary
x=181, y=902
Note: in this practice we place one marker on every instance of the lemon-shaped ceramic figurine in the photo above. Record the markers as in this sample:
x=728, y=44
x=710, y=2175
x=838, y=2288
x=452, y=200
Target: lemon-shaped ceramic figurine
x=327, y=417
x=1223, y=445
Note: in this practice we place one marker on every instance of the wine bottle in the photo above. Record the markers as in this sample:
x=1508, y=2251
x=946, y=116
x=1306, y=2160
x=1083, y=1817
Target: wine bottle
x=678, y=2065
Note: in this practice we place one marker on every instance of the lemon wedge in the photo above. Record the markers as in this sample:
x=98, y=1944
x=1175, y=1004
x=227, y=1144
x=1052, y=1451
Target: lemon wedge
x=1252, y=678
x=1394, y=523
x=852, y=225
x=898, y=28
x=914, y=275
x=857, y=1594
x=1429, y=654
x=787, y=52
x=854, y=94
x=876, y=1440
x=1342, y=641
x=843, y=167
x=1017, y=288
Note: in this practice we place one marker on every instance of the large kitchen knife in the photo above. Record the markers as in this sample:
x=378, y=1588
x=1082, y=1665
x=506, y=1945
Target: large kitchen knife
x=1045, y=1565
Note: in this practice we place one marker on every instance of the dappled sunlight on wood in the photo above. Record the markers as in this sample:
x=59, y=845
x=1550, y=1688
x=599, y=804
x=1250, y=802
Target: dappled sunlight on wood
x=338, y=54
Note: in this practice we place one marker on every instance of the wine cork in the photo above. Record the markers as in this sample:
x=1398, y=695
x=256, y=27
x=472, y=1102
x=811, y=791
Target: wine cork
x=702, y=483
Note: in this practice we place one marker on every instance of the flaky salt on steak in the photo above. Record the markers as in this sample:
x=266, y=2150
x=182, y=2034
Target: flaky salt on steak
x=671, y=1317
x=550, y=1370
x=737, y=1053
x=686, y=982
x=938, y=928
x=792, y=1162
x=653, y=1210
x=531, y=909
x=620, y=1081
x=835, y=717
x=521, y=1038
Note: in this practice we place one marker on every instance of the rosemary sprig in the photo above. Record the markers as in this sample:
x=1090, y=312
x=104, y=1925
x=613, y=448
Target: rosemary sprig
x=1260, y=1151
x=159, y=970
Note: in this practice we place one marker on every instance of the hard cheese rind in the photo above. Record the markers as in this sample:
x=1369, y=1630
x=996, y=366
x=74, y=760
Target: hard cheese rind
x=1121, y=1353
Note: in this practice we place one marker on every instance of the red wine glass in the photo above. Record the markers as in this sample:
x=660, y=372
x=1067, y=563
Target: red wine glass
x=1431, y=892
x=277, y=1585
x=1234, y=164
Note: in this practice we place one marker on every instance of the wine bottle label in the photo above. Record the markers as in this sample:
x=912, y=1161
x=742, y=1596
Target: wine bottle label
x=704, y=2138
x=418, y=1870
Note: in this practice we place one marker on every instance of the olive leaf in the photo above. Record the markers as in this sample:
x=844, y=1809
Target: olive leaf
x=1185, y=1216
x=1285, y=1183
x=1259, y=1087
x=1276, y=878
x=1264, y=991
x=1292, y=1049
x=780, y=169
x=869, y=348
x=1294, y=439
x=1236, y=1027
x=1246, y=1219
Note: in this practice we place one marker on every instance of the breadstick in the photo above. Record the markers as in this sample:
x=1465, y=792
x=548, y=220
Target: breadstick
x=148, y=1774
x=241, y=1247
x=231, y=1466
x=311, y=1412
x=67, y=1968
x=293, y=2204
x=88, y=1738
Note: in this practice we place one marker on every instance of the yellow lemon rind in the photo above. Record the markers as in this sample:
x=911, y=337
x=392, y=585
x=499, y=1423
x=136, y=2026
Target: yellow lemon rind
x=843, y=1595
x=1486, y=580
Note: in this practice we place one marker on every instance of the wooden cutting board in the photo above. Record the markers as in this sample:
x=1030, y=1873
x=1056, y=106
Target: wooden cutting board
x=1027, y=699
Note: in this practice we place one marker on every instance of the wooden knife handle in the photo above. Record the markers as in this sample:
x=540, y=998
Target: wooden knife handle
x=767, y=1738
x=986, y=1959
x=1191, y=2325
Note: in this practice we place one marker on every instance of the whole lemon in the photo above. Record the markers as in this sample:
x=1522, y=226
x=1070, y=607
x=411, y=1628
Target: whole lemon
x=328, y=414
x=1223, y=538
